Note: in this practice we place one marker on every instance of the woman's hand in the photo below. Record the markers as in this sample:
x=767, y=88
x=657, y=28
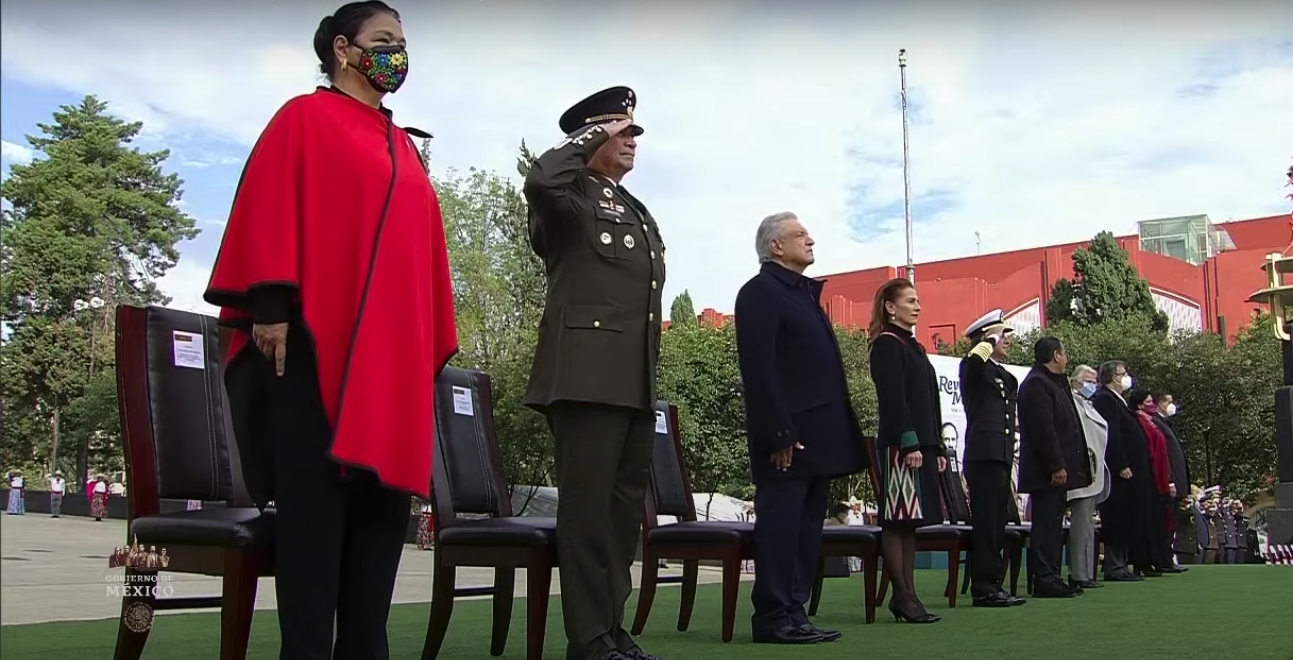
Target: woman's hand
x=271, y=340
x=914, y=460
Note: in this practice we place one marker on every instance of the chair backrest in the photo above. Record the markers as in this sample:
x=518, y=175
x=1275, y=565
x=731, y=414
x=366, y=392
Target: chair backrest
x=173, y=408
x=670, y=492
x=956, y=502
x=467, y=474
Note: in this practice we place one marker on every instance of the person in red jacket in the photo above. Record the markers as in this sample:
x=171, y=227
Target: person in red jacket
x=1161, y=510
x=333, y=274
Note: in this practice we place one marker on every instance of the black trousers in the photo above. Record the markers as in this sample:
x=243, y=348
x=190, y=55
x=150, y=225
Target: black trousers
x=988, y=483
x=340, y=536
x=603, y=461
x=788, y=520
x=1046, y=541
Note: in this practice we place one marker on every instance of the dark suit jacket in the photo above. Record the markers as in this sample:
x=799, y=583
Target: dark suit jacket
x=906, y=389
x=1175, y=456
x=599, y=338
x=1124, y=515
x=1050, y=434
x=793, y=379
x=988, y=393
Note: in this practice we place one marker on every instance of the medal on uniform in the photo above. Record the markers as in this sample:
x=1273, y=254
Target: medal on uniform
x=606, y=238
x=628, y=241
x=608, y=193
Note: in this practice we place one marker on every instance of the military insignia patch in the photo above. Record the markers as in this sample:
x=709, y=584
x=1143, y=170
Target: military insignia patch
x=628, y=241
x=606, y=238
x=608, y=193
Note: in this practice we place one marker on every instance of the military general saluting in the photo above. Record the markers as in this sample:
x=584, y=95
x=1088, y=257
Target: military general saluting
x=594, y=368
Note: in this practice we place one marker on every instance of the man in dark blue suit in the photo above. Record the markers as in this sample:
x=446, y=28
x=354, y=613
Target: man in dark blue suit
x=801, y=428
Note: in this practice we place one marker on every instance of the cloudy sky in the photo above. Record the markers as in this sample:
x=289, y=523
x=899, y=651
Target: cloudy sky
x=1032, y=123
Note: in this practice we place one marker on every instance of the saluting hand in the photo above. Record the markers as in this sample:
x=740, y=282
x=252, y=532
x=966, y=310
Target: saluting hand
x=783, y=458
x=616, y=127
x=272, y=341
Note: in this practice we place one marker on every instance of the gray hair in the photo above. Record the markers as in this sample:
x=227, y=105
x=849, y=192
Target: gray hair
x=770, y=230
x=1108, y=370
x=1078, y=372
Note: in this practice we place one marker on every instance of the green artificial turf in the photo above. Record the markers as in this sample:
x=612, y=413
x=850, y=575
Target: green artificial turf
x=1209, y=613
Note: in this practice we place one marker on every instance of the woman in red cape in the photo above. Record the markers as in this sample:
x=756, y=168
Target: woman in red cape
x=334, y=274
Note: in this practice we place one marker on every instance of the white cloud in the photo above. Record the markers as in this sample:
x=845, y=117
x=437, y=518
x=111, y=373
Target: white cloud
x=185, y=284
x=1040, y=124
x=15, y=154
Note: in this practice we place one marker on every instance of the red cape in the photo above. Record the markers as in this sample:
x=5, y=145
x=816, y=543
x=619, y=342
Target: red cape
x=317, y=209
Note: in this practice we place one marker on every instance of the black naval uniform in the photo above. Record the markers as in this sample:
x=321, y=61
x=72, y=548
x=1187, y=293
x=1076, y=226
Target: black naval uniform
x=988, y=393
x=594, y=368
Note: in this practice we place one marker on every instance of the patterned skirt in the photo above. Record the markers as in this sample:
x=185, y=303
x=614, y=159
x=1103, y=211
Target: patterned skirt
x=17, y=502
x=99, y=505
x=909, y=497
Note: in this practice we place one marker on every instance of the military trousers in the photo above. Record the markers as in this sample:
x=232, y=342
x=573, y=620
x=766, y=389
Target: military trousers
x=603, y=462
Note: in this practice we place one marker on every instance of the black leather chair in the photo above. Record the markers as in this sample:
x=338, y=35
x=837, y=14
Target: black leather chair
x=175, y=431
x=841, y=541
x=689, y=539
x=471, y=513
x=950, y=538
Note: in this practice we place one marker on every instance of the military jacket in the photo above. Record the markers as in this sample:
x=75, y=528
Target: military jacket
x=599, y=338
x=989, y=393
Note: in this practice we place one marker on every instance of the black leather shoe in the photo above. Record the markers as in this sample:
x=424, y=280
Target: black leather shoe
x=612, y=655
x=1121, y=576
x=827, y=635
x=998, y=599
x=1090, y=584
x=636, y=653
x=787, y=635
x=1172, y=569
x=1053, y=589
x=902, y=617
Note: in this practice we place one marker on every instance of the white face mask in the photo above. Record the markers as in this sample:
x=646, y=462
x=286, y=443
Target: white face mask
x=1171, y=409
x=1126, y=382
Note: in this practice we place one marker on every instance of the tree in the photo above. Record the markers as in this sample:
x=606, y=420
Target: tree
x=1105, y=287
x=499, y=289
x=855, y=354
x=94, y=218
x=682, y=312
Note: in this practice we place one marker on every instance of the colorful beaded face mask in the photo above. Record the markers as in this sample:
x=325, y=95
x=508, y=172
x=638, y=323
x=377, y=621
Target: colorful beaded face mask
x=385, y=67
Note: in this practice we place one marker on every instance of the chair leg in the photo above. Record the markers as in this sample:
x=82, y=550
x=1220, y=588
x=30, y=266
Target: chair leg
x=1016, y=562
x=504, y=594
x=953, y=574
x=731, y=591
x=871, y=567
x=137, y=612
x=238, y=601
x=442, y=596
x=816, y=598
x=690, y=573
x=538, y=591
x=646, y=592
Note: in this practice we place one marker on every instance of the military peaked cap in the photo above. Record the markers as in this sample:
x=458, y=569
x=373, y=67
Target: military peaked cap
x=608, y=105
x=995, y=317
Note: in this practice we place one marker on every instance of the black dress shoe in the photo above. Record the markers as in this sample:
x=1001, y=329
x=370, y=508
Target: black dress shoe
x=612, y=655
x=998, y=599
x=827, y=635
x=636, y=653
x=1122, y=575
x=1053, y=589
x=902, y=617
x=787, y=635
x=1089, y=584
x=1172, y=569
x=1013, y=600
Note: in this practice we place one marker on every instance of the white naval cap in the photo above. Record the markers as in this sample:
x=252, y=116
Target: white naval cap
x=995, y=317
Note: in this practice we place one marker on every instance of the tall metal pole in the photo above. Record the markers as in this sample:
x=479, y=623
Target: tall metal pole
x=906, y=164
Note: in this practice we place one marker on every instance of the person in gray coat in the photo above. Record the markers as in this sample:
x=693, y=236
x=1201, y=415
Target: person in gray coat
x=1082, y=501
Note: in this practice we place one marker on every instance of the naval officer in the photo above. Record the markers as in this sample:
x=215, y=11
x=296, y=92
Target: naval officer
x=593, y=376
x=988, y=393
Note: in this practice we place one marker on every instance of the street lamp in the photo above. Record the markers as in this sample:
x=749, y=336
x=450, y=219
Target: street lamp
x=1279, y=297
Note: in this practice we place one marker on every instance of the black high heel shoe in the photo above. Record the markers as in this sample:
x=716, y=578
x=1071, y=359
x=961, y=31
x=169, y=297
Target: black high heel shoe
x=903, y=617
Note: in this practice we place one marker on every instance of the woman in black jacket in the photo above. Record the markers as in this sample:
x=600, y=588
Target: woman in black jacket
x=909, y=444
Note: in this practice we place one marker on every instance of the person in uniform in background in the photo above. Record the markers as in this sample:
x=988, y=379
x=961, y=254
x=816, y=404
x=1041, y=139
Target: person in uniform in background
x=1186, y=542
x=1241, y=532
x=1216, y=528
x=333, y=275
x=988, y=393
x=1052, y=461
x=909, y=445
x=800, y=426
x=593, y=376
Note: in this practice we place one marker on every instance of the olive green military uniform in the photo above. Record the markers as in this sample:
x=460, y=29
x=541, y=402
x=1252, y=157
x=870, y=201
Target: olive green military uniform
x=594, y=369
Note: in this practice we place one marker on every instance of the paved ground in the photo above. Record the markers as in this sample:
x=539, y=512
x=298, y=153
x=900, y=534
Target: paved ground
x=57, y=569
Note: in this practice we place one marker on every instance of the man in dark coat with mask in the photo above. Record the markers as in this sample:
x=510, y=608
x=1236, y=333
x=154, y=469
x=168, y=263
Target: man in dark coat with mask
x=1124, y=516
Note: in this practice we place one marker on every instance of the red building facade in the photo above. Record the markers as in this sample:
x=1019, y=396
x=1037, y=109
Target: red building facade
x=1199, y=273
